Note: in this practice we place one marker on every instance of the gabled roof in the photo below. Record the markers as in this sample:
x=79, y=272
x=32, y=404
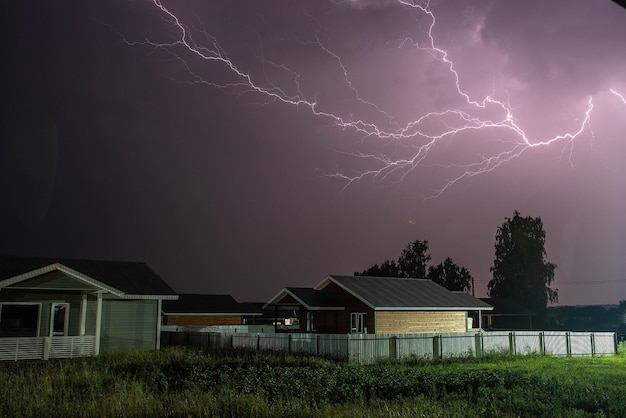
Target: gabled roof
x=121, y=278
x=311, y=299
x=197, y=304
x=384, y=293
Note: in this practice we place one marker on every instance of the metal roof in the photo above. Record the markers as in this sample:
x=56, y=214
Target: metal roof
x=197, y=304
x=123, y=278
x=384, y=293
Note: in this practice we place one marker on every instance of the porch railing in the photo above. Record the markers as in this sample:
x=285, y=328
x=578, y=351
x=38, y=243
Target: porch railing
x=44, y=348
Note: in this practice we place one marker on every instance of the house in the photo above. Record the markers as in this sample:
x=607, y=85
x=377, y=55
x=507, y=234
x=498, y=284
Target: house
x=507, y=315
x=52, y=307
x=378, y=305
x=196, y=310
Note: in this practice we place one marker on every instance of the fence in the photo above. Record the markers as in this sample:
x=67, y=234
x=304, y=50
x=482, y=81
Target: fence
x=43, y=348
x=366, y=348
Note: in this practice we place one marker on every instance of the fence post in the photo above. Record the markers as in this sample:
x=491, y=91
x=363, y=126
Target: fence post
x=289, y=343
x=436, y=347
x=258, y=342
x=393, y=348
x=568, y=346
x=511, y=344
x=46, y=348
x=593, y=344
x=317, y=345
x=478, y=344
x=542, y=348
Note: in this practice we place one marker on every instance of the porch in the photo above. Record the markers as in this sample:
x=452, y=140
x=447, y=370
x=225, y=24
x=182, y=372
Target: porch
x=44, y=348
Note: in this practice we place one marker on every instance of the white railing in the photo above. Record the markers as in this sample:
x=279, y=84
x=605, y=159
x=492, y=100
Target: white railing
x=43, y=348
x=366, y=348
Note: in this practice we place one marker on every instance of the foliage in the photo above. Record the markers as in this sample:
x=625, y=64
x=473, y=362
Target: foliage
x=450, y=276
x=520, y=270
x=411, y=263
x=183, y=382
x=388, y=268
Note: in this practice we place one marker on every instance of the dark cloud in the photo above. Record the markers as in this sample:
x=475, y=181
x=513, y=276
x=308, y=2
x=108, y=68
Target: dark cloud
x=117, y=151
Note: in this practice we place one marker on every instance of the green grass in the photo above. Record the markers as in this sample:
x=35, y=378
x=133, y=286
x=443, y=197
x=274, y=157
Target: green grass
x=183, y=382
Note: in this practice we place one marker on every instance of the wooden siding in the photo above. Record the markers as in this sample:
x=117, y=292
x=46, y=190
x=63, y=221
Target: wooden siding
x=203, y=320
x=415, y=322
x=324, y=321
x=129, y=324
x=351, y=304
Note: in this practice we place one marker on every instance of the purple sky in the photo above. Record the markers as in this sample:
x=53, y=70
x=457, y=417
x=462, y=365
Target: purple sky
x=120, y=144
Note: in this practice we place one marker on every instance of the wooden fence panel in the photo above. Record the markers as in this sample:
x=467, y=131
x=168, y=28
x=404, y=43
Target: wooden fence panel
x=415, y=345
x=332, y=345
x=458, y=345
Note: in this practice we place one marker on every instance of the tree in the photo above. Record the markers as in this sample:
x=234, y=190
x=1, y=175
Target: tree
x=450, y=276
x=520, y=270
x=386, y=269
x=411, y=263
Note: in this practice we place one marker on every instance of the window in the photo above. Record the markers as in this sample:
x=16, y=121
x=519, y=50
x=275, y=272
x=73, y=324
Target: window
x=59, y=319
x=19, y=319
x=357, y=323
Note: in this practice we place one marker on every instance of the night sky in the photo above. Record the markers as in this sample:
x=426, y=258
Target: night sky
x=299, y=139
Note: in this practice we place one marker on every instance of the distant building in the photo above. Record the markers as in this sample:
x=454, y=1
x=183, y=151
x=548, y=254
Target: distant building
x=198, y=310
x=378, y=305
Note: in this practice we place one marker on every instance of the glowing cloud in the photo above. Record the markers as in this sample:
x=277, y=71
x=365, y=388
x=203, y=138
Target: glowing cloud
x=416, y=143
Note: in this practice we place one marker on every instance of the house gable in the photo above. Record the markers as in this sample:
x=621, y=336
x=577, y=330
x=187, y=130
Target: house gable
x=56, y=274
x=55, y=279
x=126, y=280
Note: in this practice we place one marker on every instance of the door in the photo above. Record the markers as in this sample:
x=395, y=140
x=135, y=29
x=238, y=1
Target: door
x=59, y=319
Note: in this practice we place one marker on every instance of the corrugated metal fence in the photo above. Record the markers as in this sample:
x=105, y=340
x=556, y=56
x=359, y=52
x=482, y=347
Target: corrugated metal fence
x=366, y=348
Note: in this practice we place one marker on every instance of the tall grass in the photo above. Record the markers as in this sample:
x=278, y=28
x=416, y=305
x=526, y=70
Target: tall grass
x=184, y=382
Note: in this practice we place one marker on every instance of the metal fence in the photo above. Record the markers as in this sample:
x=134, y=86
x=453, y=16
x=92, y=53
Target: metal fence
x=367, y=348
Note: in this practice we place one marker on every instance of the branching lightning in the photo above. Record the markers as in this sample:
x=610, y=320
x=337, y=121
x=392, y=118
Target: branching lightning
x=418, y=138
x=621, y=96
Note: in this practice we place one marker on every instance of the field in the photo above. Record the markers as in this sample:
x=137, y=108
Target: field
x=183, y=382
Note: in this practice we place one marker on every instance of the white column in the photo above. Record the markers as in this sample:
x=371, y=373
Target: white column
x=98, y=322
x=158, y=328
x=83, y=314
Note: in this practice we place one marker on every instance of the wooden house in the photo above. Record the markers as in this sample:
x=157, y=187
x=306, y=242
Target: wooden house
x=52, y=307
x=378, y=305
x=197, y=310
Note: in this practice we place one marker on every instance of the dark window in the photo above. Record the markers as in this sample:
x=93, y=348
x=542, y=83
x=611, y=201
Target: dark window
x=18, y=320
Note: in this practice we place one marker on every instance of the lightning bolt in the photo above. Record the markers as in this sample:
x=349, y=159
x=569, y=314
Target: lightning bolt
x=619, y=95
x=419, y=140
